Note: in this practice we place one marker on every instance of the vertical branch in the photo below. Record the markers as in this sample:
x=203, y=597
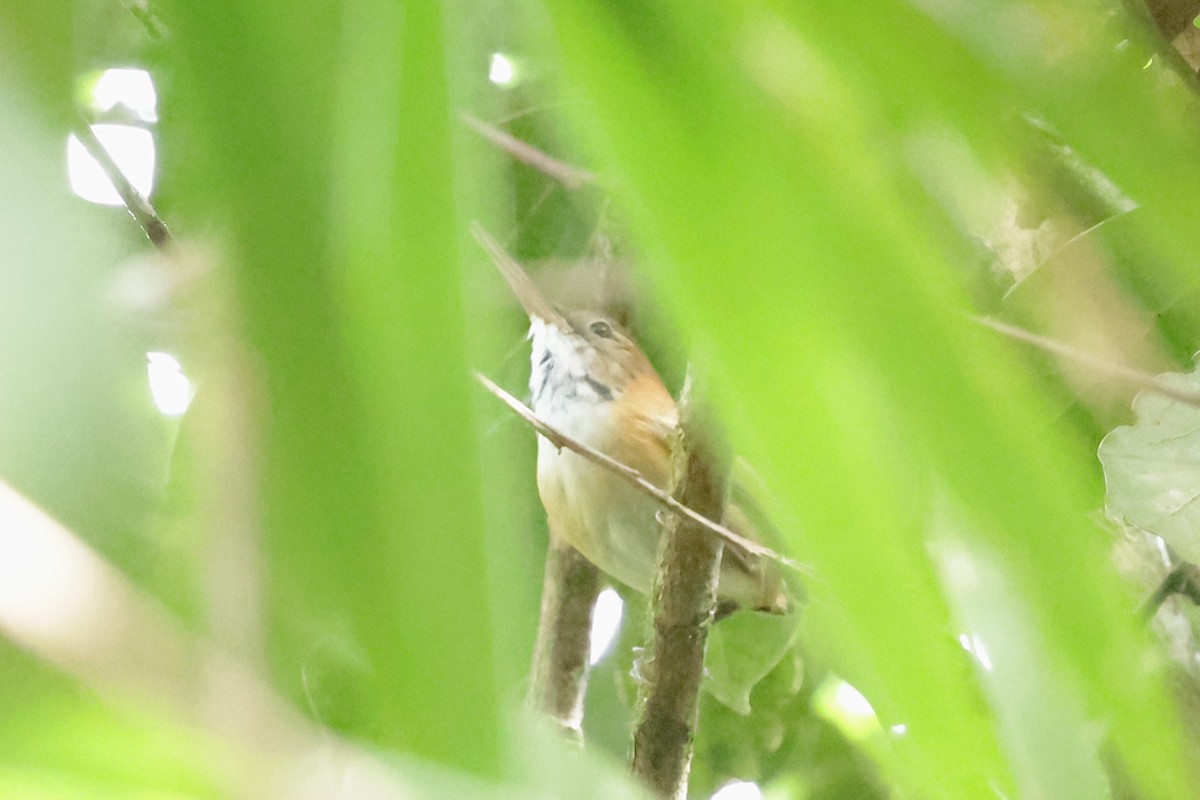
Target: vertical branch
x=684, y=606
x=1172, y=16
x=560, y=660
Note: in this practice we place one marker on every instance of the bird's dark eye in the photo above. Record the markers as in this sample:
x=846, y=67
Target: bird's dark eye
x=602, y=328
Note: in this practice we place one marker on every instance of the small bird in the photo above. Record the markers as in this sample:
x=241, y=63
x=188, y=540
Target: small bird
x=592, y=382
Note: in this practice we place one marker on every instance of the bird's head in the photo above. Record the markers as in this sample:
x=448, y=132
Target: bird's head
x=577, y=356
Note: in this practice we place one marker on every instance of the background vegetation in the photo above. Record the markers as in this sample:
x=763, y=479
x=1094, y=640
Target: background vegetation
x=323, y=580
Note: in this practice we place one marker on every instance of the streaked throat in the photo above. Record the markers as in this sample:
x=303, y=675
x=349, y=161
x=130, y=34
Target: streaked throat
x=561, y=374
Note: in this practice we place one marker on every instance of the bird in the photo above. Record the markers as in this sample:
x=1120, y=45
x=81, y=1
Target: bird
x=590, y=380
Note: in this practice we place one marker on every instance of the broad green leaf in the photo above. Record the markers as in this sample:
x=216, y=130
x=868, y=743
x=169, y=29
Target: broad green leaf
x=543, y=761
x=742, y=650
x=1152, y=467
x=319, y=136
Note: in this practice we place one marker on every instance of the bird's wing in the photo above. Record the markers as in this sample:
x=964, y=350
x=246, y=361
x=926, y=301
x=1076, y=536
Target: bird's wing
x=655, y=420
x=651, y=416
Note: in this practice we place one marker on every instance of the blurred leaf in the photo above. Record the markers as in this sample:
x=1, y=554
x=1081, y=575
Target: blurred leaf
x=767, y=165
x=59, y=739
x=775, y=161
x=79, y=432
x=37, y=38
x=742, y=650
x=1052, y=748
x=1152, y=467
x=401, y=301
x=321, y=139
x=547, y=762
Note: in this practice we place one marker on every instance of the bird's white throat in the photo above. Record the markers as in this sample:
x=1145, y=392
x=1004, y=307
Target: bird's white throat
x=563, y=391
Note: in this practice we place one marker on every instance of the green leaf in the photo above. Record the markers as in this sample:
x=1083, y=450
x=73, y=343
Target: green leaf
x=58, y=736
x=321, y=142
x=1152, y=467
x=1053, y=748
x=742, y=650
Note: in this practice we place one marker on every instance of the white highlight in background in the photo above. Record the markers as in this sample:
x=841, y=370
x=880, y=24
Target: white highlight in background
x=132, y=88
x=501, y=71
x=974, y=645
x=171, y=389
x=845, y=707
x=131, y=148
x=606, y=623
x=738, y=790
x=851, y=701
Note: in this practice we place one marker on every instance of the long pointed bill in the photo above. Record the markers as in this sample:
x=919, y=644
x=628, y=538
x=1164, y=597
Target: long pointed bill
x=527, y=294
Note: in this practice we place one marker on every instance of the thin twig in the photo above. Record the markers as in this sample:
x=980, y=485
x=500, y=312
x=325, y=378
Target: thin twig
x=567, y=174
x=631, y=476
x=141, y=10
x=137, y=205
x=1181, y=580
x=1143, y=380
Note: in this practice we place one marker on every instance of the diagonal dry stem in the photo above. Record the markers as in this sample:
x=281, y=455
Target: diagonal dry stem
x=1136, y=377
x=567, y=174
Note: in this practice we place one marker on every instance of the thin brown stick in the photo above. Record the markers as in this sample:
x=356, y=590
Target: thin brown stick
x=567, y=174
x=1143, y=380
x=137, y=205
x=1172, y=16
x=631, y=476
x=141, y=10
x=1181, y=580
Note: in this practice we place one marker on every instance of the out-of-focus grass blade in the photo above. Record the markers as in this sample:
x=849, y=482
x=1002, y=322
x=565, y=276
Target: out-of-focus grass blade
x=402, y=301
x=721, y=199
x=792, y=244
x=1042, y=722
x=373, y=523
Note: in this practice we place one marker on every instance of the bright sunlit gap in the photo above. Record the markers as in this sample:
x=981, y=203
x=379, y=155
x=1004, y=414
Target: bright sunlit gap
x=132, y=150
x=738, y=790
x=606, y=623
x=171, y=389
x=845, y=707
x=501, y=70
x=124, y=95
x=131, y=88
